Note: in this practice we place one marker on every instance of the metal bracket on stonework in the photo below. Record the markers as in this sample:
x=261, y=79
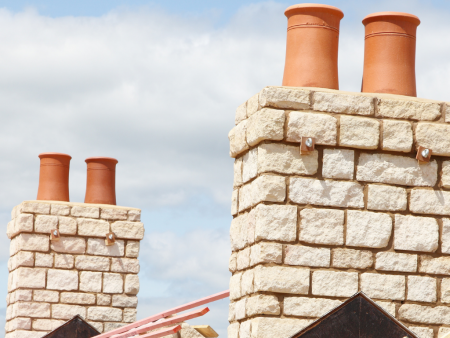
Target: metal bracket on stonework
x=307, y=145
x=110, y=239
x=423, y=154
x=54, y=235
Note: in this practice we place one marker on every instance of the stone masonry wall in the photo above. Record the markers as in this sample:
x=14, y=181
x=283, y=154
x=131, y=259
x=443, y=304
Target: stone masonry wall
x=358, y=213
x=52, y=281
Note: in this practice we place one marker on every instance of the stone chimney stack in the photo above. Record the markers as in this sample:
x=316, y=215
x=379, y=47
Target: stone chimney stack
x=71, y=259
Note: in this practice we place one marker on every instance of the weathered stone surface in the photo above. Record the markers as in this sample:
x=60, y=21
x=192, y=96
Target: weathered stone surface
x=43, y=260
x=424, y=201
x=62, y=311
x=134, y=215
x=262, y=305
x=322, y=127
x=285, y=98
x=245, y=329
x=112, y=283
x=47, y=324
x=327, y=193
x=264, y=327
x=234, y=202
x=238, y=230
x=92, y=263
x=97, y=246
x=22, y=223
x=445, y=177
x=60, y=210
x=64, y=261
x=435, y=136
x=437, y=266
x=308, y=307
x=27, y=278
x=346, y=103
x=29, y=242
x=238, y=140
x=103, y=299
x=266, y=124
x=113, y=213
x=62, y=280
x=443, y=331
x=243, y=259
x=124, y=301
x=281, y=279
x=383, y=286
x=266, y=188
x=31, y=309
x=235, y=286
x=334, y=284
x=368, y=229
x=91, y=212
x=425, y=314
x=422, y=332
x=22, y=258
x=416, y=233
x=280, y=158
x=104, y=314
x=387, y=306
x=359, y=132
x=397, y=136
x=276, y=222
x=129, y=230
x=132, y=249
x=240, y=309
x=92, y=227
x=233, y=330
x=21, y=295
x=124, y=265
x=129, y=315
x=20, y=324
x=352, y=259
x=91, y=281
x=237, y=167
x=232, y=262
x=264, y=252
x=231, y=312
x=253, y=105
x=385, y=197
x=67, y=226
x=392, y=169
x=241, y=113
x=445, y=290
x=113, y=326
x=247, y=282
x=132, y=284
x=46, y=296
x=414, y=109
x=45, y=223
x=35, y=208
x=421, y=289
x=69, y=245
x=322, y=226
x=338, y=163
x=250, y=165
x=394, y=261
x=77, y=298
x=307, y=256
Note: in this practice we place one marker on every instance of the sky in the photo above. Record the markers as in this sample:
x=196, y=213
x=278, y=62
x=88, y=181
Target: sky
x=156, y=84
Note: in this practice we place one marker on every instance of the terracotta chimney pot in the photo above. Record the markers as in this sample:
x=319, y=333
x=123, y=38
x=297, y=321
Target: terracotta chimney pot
x=54, y=177
x=312, y=46
x=101, y=180
x=390, y=53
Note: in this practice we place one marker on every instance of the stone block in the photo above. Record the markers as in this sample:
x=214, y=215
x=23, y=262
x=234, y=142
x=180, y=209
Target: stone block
x=345, y=103
x=435, y=266
x=238, y=232
x=240, y=309
x=276, y=222
x=445, y=290
x=22, y=258
x=231, y=312
x=392, y=169
x=435, y=136
x=125, y=265
x=104, y=314
x=90, y=212
x=124, y=301
x=368, y=229
x=232, y=262
x=97, y=246
x=397, y=136
x=250, y=165
x=234, y=202
x=308, y=307
x=422, y=332
x=132, y=249
x=322, y=226
x=129, y=315
x=262, y=305
x=445, y=175
x=26, y=334
x=21, y=295
x=92, y=227
x=280, y=158
x=241, y=113
x=322, y=127
x=264, y=252
x=31, y=309
x=281, y=279
x=326, y=193
x=253, y=105
x=285, y=98
x=238, y=140
x=237, y=168
x=351, y=259
x=29, y=242
x=23, y=223
x=60, y=210
x=28, y=278
x=103, y=299
x=20, y=324
x=67, y=226
x=63, y=311
x=45, y=223
x=47, y=324
x=394, y=261
x=35, y=208
x=265, y=327
x=247, y=282
x=64, y=261
x=387, y=306
x=266, y=188
x=233, y=330
x=443, y=331
x=424, y=201
x=306, y=256
x=334, y=284
x=62, y=280
x=359, y=132
x=338, y=163
x=266, y=124
x=132, y=284
x=112, y=283
x=90, y=281
x=425, y=314
x=245, y=329
x=113, y=214
x=383, y=286
x=421, y=289
x=134, y=215
x=92, y=263
x=113, y=326
x=128, y=230
x=416, y=233
x=46, y=296
x=77, y=298
x=43, y=260
x=73, y=245
x=408, y=108
x=243, y=259
x=386, y=198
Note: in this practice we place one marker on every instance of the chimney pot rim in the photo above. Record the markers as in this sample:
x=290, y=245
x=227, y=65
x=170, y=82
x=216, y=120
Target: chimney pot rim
x=101, y=158
x=50, y=154
x=310, y=6
x=392, y=15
